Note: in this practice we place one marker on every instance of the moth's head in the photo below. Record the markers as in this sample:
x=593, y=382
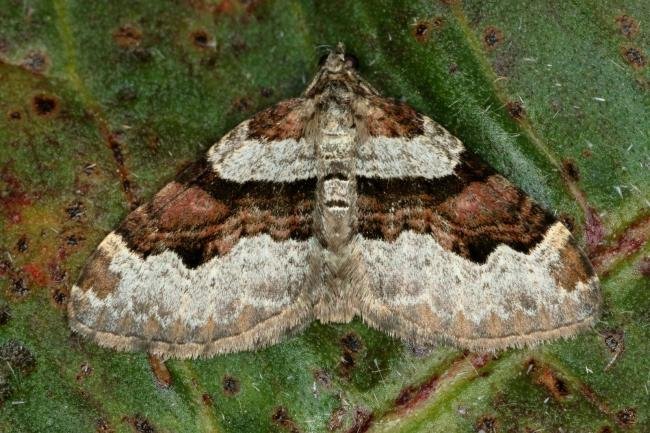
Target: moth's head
x=338, y=67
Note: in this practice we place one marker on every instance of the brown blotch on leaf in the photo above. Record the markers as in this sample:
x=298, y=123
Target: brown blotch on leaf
x=614, y=340
x=22, y=244
x=242, y=104
x=266, y=92
x=36, y=62
x=352, y=342
x=626, y=417
x=486, y=424
x=362, y=421
x=19, y=286
x=570, y=169
x=200, y=38
x=75, y=210
x=554, y=384
x=421, y=30
x=14, y=115
x=323, y=378
x=207, y=399
x=594, y=229
x=127, y=36
x=634, y=57
x=85, y=370
x=628, y=26
x=102, y=426
x=516, y=109
x=141, y=424
x=230, y=385
x=45, y=105
x=59, y=297
x=281, y=417
x=18, y=356
x=492, y=37
x=605, y=429
x=412, y=395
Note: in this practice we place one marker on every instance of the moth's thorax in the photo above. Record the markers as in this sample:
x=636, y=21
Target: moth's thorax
x=335, y=149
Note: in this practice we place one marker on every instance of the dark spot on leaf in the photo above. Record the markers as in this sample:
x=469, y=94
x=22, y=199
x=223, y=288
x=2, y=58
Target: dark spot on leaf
x=421, y=30
x=515, y=109
x=626, y=417
x=207, y=399
x=45, y=105
x=266, y=92
x=127, y=36
x=492, y=37
x=605, y=429
x=352, y=342
x=323, y=378
x=200, y=39
x=59, y=297
x=72, y=240
x=75, y=210
x=102, y=426
x=230, y=385
x=22, y=244
x=570, y=169
x=644, y=267
x=281, y=417
x=5, y=314
x=634, y=56
x=587, y=153
x=36, y=62
x=628, y=26
x=362, y=421
x=614, y=340
x=19, y=286
x=18, y=356
x=242, y=104
x=554, y=384
x=453, y=68
x=141, y=424
x=85, y=370
x=486, y=424
x=14, y=115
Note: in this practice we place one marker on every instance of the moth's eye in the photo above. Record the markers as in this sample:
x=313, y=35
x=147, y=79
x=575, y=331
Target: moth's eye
x=351, y=61
x=322, y=59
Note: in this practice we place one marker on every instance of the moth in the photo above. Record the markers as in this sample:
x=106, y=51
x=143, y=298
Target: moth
x=336, y=204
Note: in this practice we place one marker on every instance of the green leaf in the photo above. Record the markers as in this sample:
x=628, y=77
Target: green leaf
x=101, y=103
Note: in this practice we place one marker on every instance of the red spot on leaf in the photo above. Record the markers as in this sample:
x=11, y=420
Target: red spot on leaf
x=412, y=395
x=594, y=229
x=35, y=274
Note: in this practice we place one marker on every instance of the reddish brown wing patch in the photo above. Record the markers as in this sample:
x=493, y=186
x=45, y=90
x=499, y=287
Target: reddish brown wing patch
x=388, y=118
x=470, y=212
x=205, y=216
x=280, y=122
